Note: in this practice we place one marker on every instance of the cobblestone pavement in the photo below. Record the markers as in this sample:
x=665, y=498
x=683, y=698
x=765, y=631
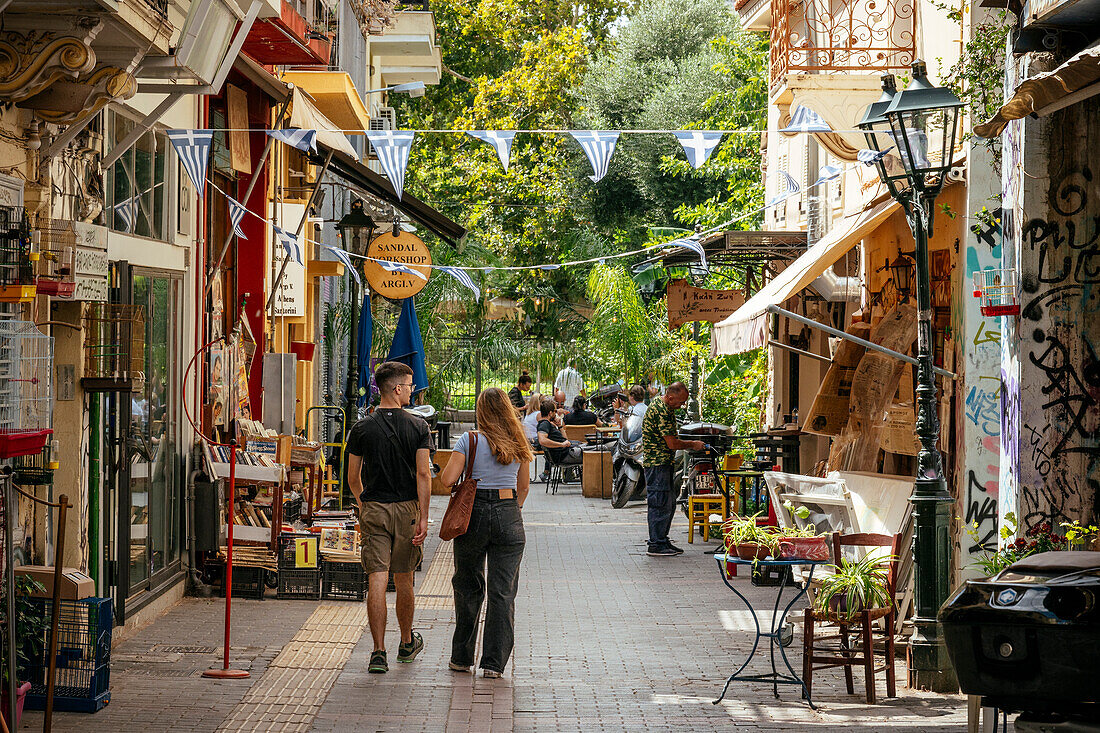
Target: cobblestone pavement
x=607, y=639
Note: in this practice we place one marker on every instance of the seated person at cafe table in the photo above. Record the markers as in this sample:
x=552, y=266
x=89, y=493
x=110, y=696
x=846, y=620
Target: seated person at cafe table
x=517, y=394
x=562, y=451
x=581, y=415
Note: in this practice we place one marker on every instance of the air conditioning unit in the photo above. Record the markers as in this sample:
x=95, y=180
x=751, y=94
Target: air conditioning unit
x=386, y=119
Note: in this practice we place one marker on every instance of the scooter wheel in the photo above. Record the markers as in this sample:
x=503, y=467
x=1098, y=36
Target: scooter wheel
x=621, y=491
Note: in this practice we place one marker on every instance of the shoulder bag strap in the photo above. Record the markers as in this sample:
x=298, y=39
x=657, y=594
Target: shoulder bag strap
x=470, y=457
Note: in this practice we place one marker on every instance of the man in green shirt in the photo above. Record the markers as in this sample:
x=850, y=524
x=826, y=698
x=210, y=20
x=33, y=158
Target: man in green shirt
x=659, y=440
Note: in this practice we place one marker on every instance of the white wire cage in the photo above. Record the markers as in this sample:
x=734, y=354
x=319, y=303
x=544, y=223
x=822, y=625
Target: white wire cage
x=995, y=288
x=26, y=388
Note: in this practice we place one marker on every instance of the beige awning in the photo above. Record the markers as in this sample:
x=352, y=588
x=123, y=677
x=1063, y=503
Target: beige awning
x=747, y=328
x=305, y=116
x=1073, y=81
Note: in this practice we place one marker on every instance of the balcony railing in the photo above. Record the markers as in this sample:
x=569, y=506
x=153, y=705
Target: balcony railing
x=841, y=36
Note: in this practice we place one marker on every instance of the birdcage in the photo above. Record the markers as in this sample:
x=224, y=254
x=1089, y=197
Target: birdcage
x=114, y=347
x=996, y=289
x=57, y=276
x=17, y=257
x=26, y=388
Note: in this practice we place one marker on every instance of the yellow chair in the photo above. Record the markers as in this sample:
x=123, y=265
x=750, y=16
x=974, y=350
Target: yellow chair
x=700, y=507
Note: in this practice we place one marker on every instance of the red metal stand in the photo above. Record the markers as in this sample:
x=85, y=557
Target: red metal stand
x=225, y=673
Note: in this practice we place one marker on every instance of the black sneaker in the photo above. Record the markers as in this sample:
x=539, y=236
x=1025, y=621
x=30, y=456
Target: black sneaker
x=408, y=652
x=661, y=552
x=675, y=549
x=378, y=663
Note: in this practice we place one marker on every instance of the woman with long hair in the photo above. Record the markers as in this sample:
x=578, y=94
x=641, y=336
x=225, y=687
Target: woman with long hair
x=530, y=419
x=502, y=455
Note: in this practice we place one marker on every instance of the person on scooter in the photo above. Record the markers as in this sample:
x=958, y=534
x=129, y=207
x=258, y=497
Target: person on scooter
x=659, y=441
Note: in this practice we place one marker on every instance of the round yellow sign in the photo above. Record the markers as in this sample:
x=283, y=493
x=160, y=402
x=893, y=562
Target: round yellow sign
x=405, y=249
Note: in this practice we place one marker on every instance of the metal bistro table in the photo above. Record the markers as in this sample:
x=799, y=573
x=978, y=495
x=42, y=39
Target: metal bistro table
x=773, y=635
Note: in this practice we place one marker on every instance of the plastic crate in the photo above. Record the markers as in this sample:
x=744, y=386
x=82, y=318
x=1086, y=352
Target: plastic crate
x=343, y=581
x=771, y=575
x=292, y=509
x=83, y=657
x=248, y=582
x=286, y=552
x=304, y=583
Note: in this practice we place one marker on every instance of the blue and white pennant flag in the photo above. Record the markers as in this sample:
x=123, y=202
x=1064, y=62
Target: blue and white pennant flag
x=828, y=173
x=126, y=211
x=695, y=247
x=290, y=244
x=398, y=267
x=304, y=140
x=344, y=258
x=501, y=140
x=698, y=145
x=236, y=214
x=392, y=148
x=193, y=149
x=805, y=119
x=787, y=188
x=598, y=145
x=870, y=157
x=462, y=276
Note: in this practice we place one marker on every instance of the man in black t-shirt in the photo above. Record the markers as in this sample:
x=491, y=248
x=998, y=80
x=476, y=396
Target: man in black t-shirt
x=580, y=414
x=390, y=477
x=562, y=451
x=515, y=394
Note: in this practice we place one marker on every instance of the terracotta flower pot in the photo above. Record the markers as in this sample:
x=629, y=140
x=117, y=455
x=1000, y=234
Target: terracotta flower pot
x=803, y=548
x=752, y=551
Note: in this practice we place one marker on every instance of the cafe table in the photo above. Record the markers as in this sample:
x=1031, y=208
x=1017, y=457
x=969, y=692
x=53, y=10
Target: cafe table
x=775, y=631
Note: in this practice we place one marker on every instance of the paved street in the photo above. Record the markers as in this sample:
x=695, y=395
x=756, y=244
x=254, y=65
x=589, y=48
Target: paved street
x=607, y=639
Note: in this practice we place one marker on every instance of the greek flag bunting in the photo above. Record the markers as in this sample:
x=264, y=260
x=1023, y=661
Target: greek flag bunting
x=695, y=247
x=870, y=157
x=392, y=148
x=787, y=188
x=304, y=140
x=236, y=214
x=290, y=244
x=193, y=149
x=398, y=267
x=345, y=258
x=598, y=145
x=698, y=145
x=462, y=276
x=501, y=140
x=827, y=173
x=126, y=212
x=804, y=119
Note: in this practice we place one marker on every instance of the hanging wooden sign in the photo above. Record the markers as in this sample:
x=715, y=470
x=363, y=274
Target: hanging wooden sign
x=687, y=303
x=237, y=112
x=406, y=249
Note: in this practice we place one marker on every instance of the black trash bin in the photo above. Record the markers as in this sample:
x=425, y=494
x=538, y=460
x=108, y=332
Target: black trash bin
x=1028, y=638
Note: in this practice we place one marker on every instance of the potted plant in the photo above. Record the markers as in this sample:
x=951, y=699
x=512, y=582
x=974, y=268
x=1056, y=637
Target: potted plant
x=804, y=543
x=742, y=537
x=1040, y=538
x=856, y=586
x=30, y=623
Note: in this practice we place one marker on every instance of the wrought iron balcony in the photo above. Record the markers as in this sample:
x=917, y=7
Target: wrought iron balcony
x=814, y=36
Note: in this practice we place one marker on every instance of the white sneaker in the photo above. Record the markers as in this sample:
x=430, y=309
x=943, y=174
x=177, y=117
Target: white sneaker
x=491, y=674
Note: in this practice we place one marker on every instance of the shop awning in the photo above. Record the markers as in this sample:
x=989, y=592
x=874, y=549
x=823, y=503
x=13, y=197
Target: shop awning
x=747, y=328
x=259, y=76
x=305, y=116
x=335, y=95
x=1073, y=81
x=351, y=170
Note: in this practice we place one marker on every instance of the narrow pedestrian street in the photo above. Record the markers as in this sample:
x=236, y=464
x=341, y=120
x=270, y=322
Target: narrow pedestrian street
x=607, y=639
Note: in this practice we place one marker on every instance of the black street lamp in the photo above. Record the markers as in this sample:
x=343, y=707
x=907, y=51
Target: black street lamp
x=920, y=125
x=357, y=229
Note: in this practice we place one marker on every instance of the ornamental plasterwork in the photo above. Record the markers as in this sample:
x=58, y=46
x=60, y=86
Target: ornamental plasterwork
x=107, y=83
x=31, y=62
x=839, y=105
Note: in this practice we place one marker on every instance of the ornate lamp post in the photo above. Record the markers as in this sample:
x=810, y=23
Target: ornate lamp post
x=919, y=124
x=357, y=229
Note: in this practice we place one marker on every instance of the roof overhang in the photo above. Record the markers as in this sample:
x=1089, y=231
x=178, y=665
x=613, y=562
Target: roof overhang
x=351, y=170
x=747, y=328
x=1074, y=81
x=259, y=76
x=741, y=247
x=412, y=34
x=335, y=96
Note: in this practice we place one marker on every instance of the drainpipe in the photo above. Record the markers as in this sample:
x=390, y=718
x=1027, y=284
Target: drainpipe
x=93, y=488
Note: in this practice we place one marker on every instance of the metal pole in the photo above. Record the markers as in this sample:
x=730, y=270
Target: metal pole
x=930, y=667
x=55, y=617
x=298, y=232
x=351, y=391
x=9, y=588
x=225, y=672
x=694, y=408
x=257, y=174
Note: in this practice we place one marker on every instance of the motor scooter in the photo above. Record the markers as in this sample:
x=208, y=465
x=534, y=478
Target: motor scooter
x=627, y=476
x=700, y=466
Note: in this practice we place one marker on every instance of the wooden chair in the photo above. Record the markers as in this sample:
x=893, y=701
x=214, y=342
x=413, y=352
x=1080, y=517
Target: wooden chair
x=578, y=432
x=853, y=644
x=700, y=507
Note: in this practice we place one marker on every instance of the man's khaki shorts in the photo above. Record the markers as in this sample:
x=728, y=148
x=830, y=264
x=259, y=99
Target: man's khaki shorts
x=387, y=532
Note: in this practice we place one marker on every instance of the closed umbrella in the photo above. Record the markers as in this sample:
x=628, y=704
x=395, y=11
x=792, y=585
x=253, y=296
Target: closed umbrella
x=407, y=346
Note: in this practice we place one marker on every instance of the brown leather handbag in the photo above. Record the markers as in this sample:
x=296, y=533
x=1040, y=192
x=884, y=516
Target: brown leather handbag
x=456, y=520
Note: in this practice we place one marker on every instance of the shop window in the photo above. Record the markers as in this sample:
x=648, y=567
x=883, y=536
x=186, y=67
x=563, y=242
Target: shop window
x=137, y=192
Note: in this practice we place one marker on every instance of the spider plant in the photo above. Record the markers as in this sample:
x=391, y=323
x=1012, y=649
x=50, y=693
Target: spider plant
x=744, y=531
x=856, y=585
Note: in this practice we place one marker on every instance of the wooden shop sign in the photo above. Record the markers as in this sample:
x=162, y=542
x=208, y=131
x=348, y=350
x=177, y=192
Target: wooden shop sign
x=687, y=303
x=406, y=249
